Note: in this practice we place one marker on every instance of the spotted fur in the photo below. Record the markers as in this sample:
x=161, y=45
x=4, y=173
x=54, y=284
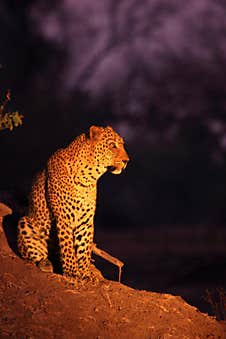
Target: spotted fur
x=63, y=198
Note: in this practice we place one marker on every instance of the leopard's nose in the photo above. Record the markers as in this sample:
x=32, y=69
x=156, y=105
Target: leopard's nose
x=126, y=158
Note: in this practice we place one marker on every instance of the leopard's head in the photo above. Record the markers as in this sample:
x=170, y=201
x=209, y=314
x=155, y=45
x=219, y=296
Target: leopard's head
x=109, y=152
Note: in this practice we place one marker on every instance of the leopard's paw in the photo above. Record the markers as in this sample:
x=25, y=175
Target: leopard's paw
x=93, y=276
x=45, y=266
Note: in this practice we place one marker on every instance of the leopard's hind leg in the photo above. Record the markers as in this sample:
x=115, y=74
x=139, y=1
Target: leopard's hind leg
x=33, y=245
x=34, y=229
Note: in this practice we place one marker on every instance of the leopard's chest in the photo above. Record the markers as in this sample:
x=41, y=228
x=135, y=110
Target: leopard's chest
x=84, y=203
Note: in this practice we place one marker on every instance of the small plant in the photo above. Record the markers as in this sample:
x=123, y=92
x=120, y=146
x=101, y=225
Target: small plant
x=9, y=120
x=217, y=299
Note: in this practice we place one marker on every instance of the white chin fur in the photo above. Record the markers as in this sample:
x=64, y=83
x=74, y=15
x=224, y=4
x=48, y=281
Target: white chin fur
x=117, y=171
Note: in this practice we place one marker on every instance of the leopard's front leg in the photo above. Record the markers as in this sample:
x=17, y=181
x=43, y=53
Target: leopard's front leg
x=68, y=259
x=83, y=242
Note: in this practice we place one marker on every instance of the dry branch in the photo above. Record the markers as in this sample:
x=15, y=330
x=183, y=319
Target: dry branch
x=108, y=257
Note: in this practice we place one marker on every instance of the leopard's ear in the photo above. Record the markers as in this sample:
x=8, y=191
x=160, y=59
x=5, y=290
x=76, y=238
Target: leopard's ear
x=95, y=132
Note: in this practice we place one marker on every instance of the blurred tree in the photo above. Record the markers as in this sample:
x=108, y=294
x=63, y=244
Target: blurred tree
x=153, y=63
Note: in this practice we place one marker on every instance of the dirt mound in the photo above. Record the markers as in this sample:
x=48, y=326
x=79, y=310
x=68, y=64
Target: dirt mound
x=38, y=305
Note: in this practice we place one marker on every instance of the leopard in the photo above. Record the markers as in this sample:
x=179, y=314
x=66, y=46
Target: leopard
x=63, y=202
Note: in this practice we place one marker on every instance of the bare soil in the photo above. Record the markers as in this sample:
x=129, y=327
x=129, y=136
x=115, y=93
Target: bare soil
x=34, y=304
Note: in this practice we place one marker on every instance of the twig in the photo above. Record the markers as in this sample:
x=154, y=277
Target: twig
x=108, y=257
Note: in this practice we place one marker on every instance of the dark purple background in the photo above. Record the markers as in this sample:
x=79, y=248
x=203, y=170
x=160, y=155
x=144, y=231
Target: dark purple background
x=155, y=71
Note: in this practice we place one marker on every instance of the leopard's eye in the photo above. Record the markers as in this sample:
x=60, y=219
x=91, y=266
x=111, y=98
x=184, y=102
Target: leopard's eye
x=113, y=145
